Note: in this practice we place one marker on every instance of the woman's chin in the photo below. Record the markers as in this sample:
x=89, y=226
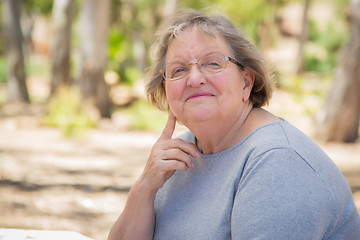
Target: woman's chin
x=198, y=115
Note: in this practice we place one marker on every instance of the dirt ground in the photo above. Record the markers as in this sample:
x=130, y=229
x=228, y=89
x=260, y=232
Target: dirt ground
x=53, y=183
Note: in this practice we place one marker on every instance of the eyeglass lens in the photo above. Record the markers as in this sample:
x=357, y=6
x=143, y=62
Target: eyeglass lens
x=208, y=64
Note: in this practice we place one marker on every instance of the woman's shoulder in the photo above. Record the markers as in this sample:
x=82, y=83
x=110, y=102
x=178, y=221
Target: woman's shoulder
x=279, y=134
x=284, y=137
x=283, y=144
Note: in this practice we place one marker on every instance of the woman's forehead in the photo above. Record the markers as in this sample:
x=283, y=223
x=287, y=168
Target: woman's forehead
x=195, y=42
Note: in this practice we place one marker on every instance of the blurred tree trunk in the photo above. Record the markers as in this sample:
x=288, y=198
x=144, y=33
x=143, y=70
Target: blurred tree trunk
x=139, y=50
x=303, y=38
x=339, y=119
x=15, y=57
x=62, y=14
x=94, y=23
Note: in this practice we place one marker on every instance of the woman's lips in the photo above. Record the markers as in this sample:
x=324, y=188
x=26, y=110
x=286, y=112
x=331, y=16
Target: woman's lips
x=198, y=95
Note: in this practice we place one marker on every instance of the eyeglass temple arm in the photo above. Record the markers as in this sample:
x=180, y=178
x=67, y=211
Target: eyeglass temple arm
x=235, y=62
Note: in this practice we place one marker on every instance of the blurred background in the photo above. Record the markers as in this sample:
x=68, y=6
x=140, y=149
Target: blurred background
x=75, y=126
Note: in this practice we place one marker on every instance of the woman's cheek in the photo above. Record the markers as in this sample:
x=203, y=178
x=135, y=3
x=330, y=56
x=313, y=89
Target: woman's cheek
x=174, y=91
x=174, y=95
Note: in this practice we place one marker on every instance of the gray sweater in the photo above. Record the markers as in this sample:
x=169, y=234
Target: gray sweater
x=274, y=184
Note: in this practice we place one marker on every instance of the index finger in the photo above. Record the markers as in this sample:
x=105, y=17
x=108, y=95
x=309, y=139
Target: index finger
x=169, y=127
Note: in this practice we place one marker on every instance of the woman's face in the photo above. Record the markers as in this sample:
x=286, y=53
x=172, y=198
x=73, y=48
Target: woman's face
x=203, y=96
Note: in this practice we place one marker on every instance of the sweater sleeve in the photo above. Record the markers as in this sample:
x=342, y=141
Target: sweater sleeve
x=280, y=196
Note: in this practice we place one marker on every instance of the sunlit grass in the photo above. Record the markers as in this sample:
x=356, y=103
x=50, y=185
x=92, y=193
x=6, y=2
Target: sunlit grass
x=67, y=112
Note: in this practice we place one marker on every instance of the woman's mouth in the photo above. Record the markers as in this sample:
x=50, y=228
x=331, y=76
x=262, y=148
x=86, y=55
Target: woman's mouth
x=200, y=95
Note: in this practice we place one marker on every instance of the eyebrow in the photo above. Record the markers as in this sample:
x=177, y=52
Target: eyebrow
x=201, y=56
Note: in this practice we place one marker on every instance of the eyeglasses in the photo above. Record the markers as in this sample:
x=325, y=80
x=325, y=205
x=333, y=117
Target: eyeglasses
x=212, y=63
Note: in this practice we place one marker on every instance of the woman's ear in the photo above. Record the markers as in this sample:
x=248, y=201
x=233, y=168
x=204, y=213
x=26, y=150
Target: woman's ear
x=249, y=78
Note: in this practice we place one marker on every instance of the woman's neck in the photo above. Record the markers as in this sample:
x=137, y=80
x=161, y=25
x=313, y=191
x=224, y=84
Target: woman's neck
x=217, y=134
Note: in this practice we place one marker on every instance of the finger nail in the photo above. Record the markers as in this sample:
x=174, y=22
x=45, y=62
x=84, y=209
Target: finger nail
x=197, y=154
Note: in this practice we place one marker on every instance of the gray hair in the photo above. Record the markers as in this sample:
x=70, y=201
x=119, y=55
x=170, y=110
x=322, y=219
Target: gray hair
x=243, y=51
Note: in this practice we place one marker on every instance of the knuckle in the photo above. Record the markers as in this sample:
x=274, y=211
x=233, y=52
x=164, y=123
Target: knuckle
x=178, y=152
x=177, y=142
x=182, y=166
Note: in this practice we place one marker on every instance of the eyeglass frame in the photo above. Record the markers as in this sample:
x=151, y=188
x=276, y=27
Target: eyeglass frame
x=227, y=59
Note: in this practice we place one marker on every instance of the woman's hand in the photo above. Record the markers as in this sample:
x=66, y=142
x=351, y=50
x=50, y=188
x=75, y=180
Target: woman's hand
x=167, y=156
x=137, y=220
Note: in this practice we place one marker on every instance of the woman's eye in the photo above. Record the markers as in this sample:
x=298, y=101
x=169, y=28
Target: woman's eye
x=212, y=64
x=178, y=71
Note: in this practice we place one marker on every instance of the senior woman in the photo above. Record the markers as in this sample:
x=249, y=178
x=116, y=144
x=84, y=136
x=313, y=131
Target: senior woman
x=240, y=172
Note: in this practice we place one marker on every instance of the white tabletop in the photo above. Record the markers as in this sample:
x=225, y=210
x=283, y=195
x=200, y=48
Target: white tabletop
x=22, y=234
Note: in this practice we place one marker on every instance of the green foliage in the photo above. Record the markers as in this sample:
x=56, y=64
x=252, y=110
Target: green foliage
x=328, y=42
x=120, y=57
x=115, y=6
x=250, y=15
x=199, y=5
x=118, y=45
x=332, y=37
x=139, y=19
x=39, y=6
x=242, y=13
x=145, y=117
x=315, y=64
x=132, y=75
x=308, y=90
x=119, y=54
x=67, y=112
x=132, y=22
x=2, y=70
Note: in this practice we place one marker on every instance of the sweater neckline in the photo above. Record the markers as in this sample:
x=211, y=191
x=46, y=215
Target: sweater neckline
x=227, y=151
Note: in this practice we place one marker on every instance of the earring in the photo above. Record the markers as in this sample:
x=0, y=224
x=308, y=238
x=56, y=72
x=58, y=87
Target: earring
x=243, y=99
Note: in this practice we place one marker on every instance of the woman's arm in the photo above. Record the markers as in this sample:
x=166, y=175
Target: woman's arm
x=138, y=217
x=137, y=220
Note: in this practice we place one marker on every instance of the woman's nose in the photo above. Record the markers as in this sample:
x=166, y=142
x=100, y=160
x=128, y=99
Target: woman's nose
x=195, y=77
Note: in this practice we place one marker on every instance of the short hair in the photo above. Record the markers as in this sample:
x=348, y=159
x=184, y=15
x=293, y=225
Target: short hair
x=242, y=49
